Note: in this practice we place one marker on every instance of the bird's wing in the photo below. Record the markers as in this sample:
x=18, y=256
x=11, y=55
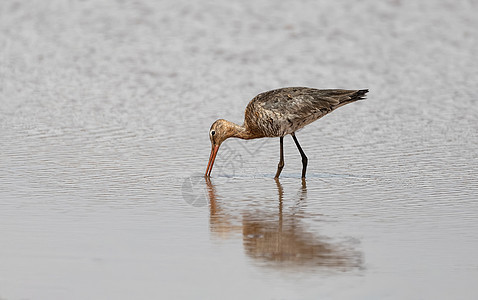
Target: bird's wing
x=303, y=101
x=285, y=110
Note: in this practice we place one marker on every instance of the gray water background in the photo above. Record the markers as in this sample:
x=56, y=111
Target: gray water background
x=105, y=108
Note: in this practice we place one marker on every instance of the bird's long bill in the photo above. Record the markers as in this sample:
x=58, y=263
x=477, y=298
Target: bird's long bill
x=212, y=157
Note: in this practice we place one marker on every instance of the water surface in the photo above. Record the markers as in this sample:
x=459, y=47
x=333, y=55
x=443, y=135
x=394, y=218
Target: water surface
x=105, y=111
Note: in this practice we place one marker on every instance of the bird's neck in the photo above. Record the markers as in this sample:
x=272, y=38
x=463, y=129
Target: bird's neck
x=239, y=131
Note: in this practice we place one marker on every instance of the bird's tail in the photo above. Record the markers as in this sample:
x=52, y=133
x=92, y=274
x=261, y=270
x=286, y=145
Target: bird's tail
x=359, y=95
x=350, y=96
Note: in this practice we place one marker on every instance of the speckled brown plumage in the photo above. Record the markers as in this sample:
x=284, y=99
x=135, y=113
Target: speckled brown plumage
x=283, y=111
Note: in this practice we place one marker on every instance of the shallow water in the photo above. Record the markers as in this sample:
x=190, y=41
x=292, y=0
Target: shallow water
x=105, y=111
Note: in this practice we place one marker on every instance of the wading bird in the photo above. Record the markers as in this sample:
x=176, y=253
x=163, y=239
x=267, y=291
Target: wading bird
x=280, y=112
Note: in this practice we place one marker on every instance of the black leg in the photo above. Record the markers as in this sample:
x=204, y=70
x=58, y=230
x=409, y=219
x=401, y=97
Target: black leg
x=281, y=161
x=304, y=158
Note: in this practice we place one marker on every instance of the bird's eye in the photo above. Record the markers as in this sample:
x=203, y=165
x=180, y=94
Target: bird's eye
x=213, y=132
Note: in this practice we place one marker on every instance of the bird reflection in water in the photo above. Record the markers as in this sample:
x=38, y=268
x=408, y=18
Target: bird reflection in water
x=280, y=238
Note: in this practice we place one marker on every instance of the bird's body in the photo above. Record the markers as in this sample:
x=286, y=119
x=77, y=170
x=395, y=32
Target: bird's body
x=277, y=113
x=280, y=112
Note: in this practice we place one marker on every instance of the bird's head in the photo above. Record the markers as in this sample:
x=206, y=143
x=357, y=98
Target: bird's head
x=219, y=132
